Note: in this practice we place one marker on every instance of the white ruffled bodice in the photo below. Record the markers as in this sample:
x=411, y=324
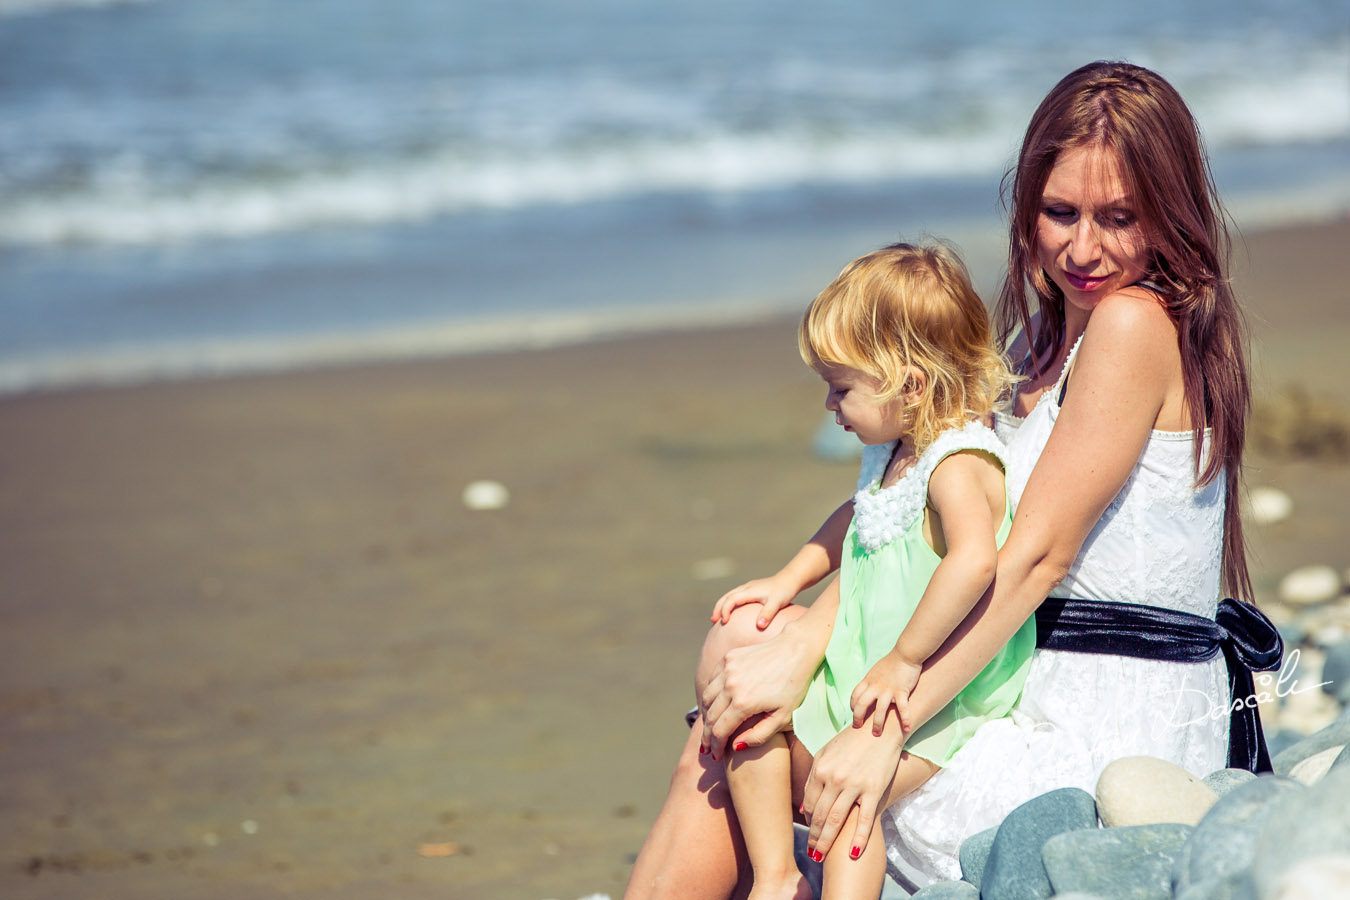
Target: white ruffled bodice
x=880, y=515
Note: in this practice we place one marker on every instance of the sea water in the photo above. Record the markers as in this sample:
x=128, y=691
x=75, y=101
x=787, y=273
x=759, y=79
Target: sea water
x=200, y=186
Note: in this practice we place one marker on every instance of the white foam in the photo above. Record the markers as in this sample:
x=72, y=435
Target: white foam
x=1310, y=103
x=146, y=168
x=132, y=209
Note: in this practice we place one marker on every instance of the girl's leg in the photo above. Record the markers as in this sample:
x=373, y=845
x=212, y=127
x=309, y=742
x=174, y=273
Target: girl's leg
x=846, y=877
x=694, y=849
x=760, y=779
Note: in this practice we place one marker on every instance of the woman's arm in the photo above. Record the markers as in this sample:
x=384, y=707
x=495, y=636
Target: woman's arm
x=815, y=560
x=768, y=678
x=1125, y=368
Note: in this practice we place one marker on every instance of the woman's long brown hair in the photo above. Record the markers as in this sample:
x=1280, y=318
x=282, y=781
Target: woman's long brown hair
x=1136, y=115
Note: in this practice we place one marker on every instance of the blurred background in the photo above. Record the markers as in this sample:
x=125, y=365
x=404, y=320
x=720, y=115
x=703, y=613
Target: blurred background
x=191, y=186
x=389, y=615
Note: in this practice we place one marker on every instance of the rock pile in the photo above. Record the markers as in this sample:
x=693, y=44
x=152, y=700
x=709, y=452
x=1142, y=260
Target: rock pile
x=1230, y=836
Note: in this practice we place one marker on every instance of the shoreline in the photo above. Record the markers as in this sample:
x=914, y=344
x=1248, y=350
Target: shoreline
x=196, y=359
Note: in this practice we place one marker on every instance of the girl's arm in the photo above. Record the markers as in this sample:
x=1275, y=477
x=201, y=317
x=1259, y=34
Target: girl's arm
x=768, y=678
x=818, y=558
x=964, y=490
x=1126, y=367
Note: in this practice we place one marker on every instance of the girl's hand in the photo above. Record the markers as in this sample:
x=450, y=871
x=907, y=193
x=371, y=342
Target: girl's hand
x=769, y=591
x=889, y=683
x=855, y=768
x=768, y=679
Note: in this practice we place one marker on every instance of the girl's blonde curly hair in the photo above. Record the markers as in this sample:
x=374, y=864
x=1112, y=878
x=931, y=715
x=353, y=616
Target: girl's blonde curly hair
x=903, y=307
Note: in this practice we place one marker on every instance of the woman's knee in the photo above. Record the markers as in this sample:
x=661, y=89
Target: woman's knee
x=741, y=630
x=742, y=627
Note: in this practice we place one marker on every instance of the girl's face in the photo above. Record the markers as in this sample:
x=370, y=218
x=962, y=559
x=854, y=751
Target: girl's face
x=853, y=399
x=1088, y=236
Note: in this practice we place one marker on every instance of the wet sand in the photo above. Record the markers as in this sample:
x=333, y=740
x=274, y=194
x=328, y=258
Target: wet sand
x=252, y=644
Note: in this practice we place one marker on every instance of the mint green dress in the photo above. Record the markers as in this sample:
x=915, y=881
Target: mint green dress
x=885, y=569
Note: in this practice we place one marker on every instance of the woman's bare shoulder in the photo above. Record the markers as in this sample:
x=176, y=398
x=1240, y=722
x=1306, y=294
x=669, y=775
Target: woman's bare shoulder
x=1132, y=314
x=1130, y=346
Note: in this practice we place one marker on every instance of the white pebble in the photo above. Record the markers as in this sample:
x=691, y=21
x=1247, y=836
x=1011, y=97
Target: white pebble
x=1270, y=505
x=248, y=826
x=1330, y=635
x=1144, y=790
x=210, y=839
x=1318, y=876
x=714, y=568
x=1311, y=770
x=485, y=495
x=1310, y=584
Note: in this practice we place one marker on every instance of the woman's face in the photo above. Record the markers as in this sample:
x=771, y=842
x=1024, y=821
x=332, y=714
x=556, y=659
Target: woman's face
x=1088, y=236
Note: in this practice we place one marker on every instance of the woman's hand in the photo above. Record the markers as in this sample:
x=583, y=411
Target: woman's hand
x=855, y=768
x=771, y=591
x=767, y=679
x=888, y=683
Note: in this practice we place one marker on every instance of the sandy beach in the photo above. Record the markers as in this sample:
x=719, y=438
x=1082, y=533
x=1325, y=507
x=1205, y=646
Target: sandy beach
x=254, y=645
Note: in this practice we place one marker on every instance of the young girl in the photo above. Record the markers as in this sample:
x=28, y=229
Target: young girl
x=904, y=345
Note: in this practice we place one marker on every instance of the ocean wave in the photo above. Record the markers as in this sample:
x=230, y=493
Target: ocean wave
x=133, y=209
x=140, y=167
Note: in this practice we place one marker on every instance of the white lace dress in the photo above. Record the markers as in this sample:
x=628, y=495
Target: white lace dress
x=1158, y=543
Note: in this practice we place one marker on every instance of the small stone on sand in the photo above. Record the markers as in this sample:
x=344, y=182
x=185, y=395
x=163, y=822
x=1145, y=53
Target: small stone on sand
x=1270, y=505
x=482, y=495
x=1307, y=585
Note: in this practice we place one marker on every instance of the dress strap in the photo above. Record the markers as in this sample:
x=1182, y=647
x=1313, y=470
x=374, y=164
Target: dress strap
x=974, y=436
x=880, y=515
x=1247, y=639
x=1062, y=385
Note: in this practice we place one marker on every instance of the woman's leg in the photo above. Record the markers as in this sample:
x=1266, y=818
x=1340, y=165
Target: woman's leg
x=694, y=849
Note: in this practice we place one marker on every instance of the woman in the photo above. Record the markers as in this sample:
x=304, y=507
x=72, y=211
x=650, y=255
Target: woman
x=1125, y=456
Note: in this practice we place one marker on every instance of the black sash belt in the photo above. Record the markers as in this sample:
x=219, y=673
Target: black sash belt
x=1247, y=639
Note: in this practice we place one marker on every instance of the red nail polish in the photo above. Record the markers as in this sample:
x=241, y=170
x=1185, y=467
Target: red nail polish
x=741, y=745
x=702, y=749
x=817, y=856
x=857, y=852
